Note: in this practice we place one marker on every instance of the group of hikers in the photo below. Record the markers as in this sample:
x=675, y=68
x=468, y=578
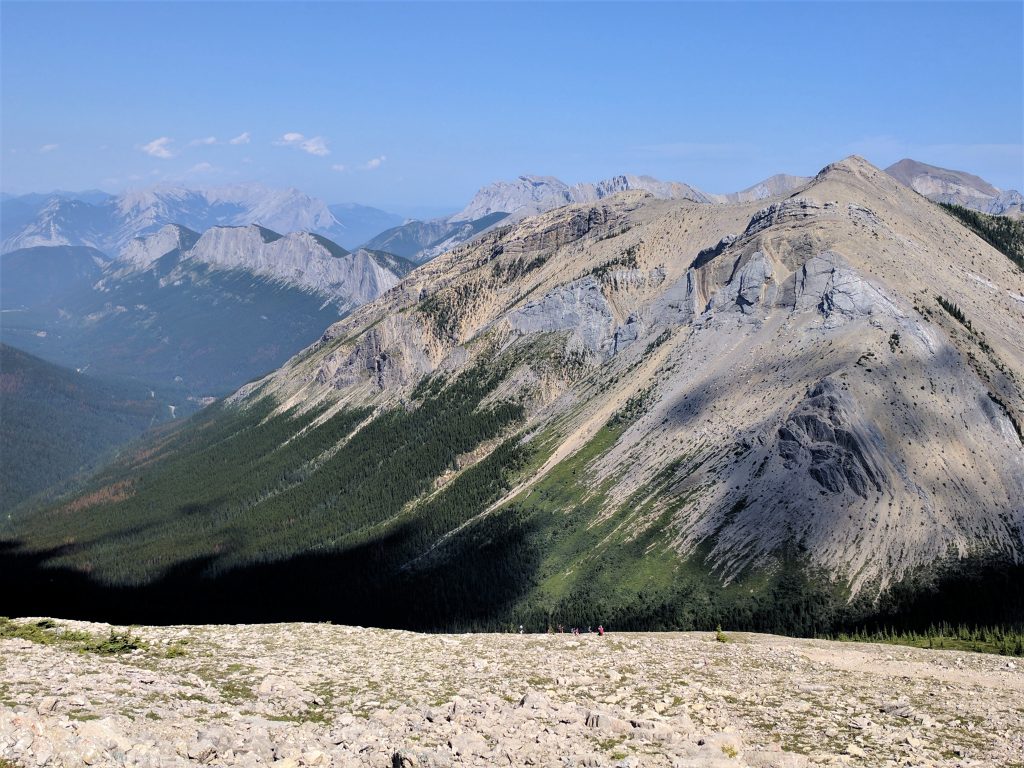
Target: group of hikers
x=574, y=630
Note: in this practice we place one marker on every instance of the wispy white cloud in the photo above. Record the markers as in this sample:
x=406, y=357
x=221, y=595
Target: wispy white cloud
x=242, y=138
x=375, y=163
x=339, y=167
x=314, y=145
x=159, y=148
x=48, y=148
x=200, y=168
x=201, y=142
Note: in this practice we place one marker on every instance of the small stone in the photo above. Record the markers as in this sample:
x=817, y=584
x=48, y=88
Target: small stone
x=467, y=744
x=607, y=723
x=46, y=705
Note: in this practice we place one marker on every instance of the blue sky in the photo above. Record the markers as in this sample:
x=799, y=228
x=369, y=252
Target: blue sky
x=405, y=105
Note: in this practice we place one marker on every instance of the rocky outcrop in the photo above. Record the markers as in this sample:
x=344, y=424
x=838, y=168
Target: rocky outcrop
x=828, y=284
x=786, y=211
x=579, y=307
x=821, y=438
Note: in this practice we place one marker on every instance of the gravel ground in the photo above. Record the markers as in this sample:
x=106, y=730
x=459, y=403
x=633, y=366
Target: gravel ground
x=323, y=695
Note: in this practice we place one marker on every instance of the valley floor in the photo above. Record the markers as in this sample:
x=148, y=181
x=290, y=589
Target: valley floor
x=317, y=694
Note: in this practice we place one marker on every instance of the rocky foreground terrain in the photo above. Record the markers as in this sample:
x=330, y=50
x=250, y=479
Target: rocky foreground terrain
x=317, y=694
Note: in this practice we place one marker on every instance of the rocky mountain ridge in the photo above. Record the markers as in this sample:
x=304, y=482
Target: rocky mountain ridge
x=798, y=275
x=304, y=260
x=510, y=201
x=530, y=195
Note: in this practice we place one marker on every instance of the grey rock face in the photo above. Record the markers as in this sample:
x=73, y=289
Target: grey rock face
x=141, y=252
x=827, y=284
x=752, y=284
x=820, y=438
x=579, y=307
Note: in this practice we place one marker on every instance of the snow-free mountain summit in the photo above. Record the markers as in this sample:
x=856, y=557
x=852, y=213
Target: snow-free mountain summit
x=787, y=413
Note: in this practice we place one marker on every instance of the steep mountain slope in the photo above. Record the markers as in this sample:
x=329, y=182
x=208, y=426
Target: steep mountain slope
x=110, y=224
x=1004, y=233
x=956, y=187
x=55, y=423
x=657, y=412
x=206, y=312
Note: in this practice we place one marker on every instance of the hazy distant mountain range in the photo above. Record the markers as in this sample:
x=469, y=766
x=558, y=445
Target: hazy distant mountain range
x=108, y=223
x=205, y=312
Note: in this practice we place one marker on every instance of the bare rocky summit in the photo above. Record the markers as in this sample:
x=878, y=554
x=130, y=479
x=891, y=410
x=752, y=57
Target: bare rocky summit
x=956, y=187
x=321, y=695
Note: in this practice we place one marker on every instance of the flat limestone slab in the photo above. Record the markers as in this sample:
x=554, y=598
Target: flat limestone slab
x=323, y=695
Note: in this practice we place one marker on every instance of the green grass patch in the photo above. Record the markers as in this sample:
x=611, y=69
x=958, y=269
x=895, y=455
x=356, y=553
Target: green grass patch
x=48, y=632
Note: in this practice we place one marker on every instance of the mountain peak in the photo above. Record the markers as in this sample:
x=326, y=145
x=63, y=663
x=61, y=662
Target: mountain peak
x=944, y=185
x=908, y=170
